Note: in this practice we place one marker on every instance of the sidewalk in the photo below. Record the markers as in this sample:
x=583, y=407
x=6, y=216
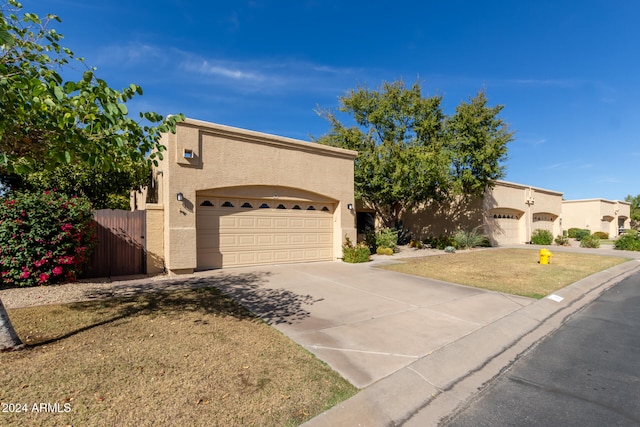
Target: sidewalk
x=429, y=389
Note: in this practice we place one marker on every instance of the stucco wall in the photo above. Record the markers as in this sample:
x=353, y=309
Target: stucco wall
x=530, y=208
x=508, y=213
x=225, y=158
x=596, y=215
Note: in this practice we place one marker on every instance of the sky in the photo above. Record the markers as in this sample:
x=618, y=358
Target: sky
x=566, y=71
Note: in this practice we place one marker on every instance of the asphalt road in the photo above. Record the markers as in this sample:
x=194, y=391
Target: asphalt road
x=587, y=373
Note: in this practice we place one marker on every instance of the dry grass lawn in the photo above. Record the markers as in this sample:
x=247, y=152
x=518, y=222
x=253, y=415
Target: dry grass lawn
x=181, y=358
x=513, y=271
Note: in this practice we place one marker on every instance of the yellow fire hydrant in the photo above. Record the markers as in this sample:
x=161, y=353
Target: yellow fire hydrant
x=545, y=256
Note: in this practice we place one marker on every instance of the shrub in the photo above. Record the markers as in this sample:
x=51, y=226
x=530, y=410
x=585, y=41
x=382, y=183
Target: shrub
x=45, y=237
x=572, y=232
x=370, y=240
x=590, y=242
x=469, y=239
x=579, y=233
x=562, y=240
x=355, y=253
x=440, y=242
x=387, y=238
x=384, y=251
x=601, y=235
x=415, y=244
x=627, y=242
x=541, y=237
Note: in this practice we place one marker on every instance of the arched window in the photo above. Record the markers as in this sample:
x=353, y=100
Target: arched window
x=264, y=206
x=227, y=204
x=281, y=206
x=311, y=208
x=325, y=209
x=206, y=203
x=296, y=207
x=246, y=205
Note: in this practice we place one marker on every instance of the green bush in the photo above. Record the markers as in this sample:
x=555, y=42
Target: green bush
x=581, y=233
x=440, y=242
x=601, y=235
x=572, y=232
x=45, y=237
x=632, y=232
x=355, y=253
x=627, y=242
x=469, y=239
x=562, y=240
x=541, y=237
x=590, y=242
x=384, y=251
x=387, y=237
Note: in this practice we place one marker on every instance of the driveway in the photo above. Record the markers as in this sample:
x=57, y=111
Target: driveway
x=366, y=323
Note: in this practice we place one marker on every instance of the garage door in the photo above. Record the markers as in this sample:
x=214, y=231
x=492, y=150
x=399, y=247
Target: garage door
x=506, y=226
x=236, y=232
x=543, y=221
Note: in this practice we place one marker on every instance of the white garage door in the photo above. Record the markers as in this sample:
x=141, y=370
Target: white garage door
x=505, y=226
x=543, y=221
x=236, y=232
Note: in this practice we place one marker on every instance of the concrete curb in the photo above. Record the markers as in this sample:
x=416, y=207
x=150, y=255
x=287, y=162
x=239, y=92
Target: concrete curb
x=435, y=386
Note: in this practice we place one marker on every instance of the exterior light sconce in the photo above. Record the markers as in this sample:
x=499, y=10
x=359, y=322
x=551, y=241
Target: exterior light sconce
x=180, y=197
x=350, y=206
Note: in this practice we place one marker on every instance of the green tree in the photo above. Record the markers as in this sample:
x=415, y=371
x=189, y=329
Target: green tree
x=48, y=122
x=411, y=152
x=105, y=189
x=635, y=208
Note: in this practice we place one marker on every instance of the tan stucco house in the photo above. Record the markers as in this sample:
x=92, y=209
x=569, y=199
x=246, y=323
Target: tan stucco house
x=512, y=212
x=596, y=215
x=224, y=196
x=508, y=213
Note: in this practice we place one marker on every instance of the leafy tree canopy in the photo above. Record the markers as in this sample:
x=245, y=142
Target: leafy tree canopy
x=46, y=122
x=635, y=206
x=411, y=152
x=104, y=189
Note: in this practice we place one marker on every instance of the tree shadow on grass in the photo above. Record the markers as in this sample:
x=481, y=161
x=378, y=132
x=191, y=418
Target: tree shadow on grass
x=244, y=296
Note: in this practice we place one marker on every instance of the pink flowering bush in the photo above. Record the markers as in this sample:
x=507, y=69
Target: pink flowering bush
x=45, y=237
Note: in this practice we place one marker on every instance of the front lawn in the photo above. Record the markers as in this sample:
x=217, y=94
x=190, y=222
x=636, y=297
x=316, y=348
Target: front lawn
x=188, y=358
x=513, y=271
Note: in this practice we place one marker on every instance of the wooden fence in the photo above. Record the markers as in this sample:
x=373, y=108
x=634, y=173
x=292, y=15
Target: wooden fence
x=120, y=250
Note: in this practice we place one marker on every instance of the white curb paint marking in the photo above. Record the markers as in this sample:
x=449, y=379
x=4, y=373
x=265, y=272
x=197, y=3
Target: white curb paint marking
x=556, y=298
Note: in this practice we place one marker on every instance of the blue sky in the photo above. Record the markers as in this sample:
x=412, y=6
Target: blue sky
x=567, y=72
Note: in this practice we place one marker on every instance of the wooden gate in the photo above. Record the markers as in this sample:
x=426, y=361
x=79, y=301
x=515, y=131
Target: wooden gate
x=120, y=250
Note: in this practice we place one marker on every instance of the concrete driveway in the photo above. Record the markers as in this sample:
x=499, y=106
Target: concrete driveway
x=366, y=323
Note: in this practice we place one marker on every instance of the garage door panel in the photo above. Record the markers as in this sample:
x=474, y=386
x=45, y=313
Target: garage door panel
x=235, y=236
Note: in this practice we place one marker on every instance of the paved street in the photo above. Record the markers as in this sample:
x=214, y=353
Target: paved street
x=585, y=374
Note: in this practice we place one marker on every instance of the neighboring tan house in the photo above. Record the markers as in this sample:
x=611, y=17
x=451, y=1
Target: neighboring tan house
x=508, y=213
x=225, y=197
x=596, y=215
x=512, y=212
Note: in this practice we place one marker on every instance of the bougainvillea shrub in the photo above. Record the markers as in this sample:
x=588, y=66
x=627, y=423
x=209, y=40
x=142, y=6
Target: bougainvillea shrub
x=45, y=237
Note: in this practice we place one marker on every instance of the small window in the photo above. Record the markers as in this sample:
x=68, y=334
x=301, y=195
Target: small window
x=264, y=206
x=188, y=154
x=246, y=205
x=227, y=204
x=281, y=206
x=296, y=207
x=325, y=209
x=206, y=203
x=311, y=208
